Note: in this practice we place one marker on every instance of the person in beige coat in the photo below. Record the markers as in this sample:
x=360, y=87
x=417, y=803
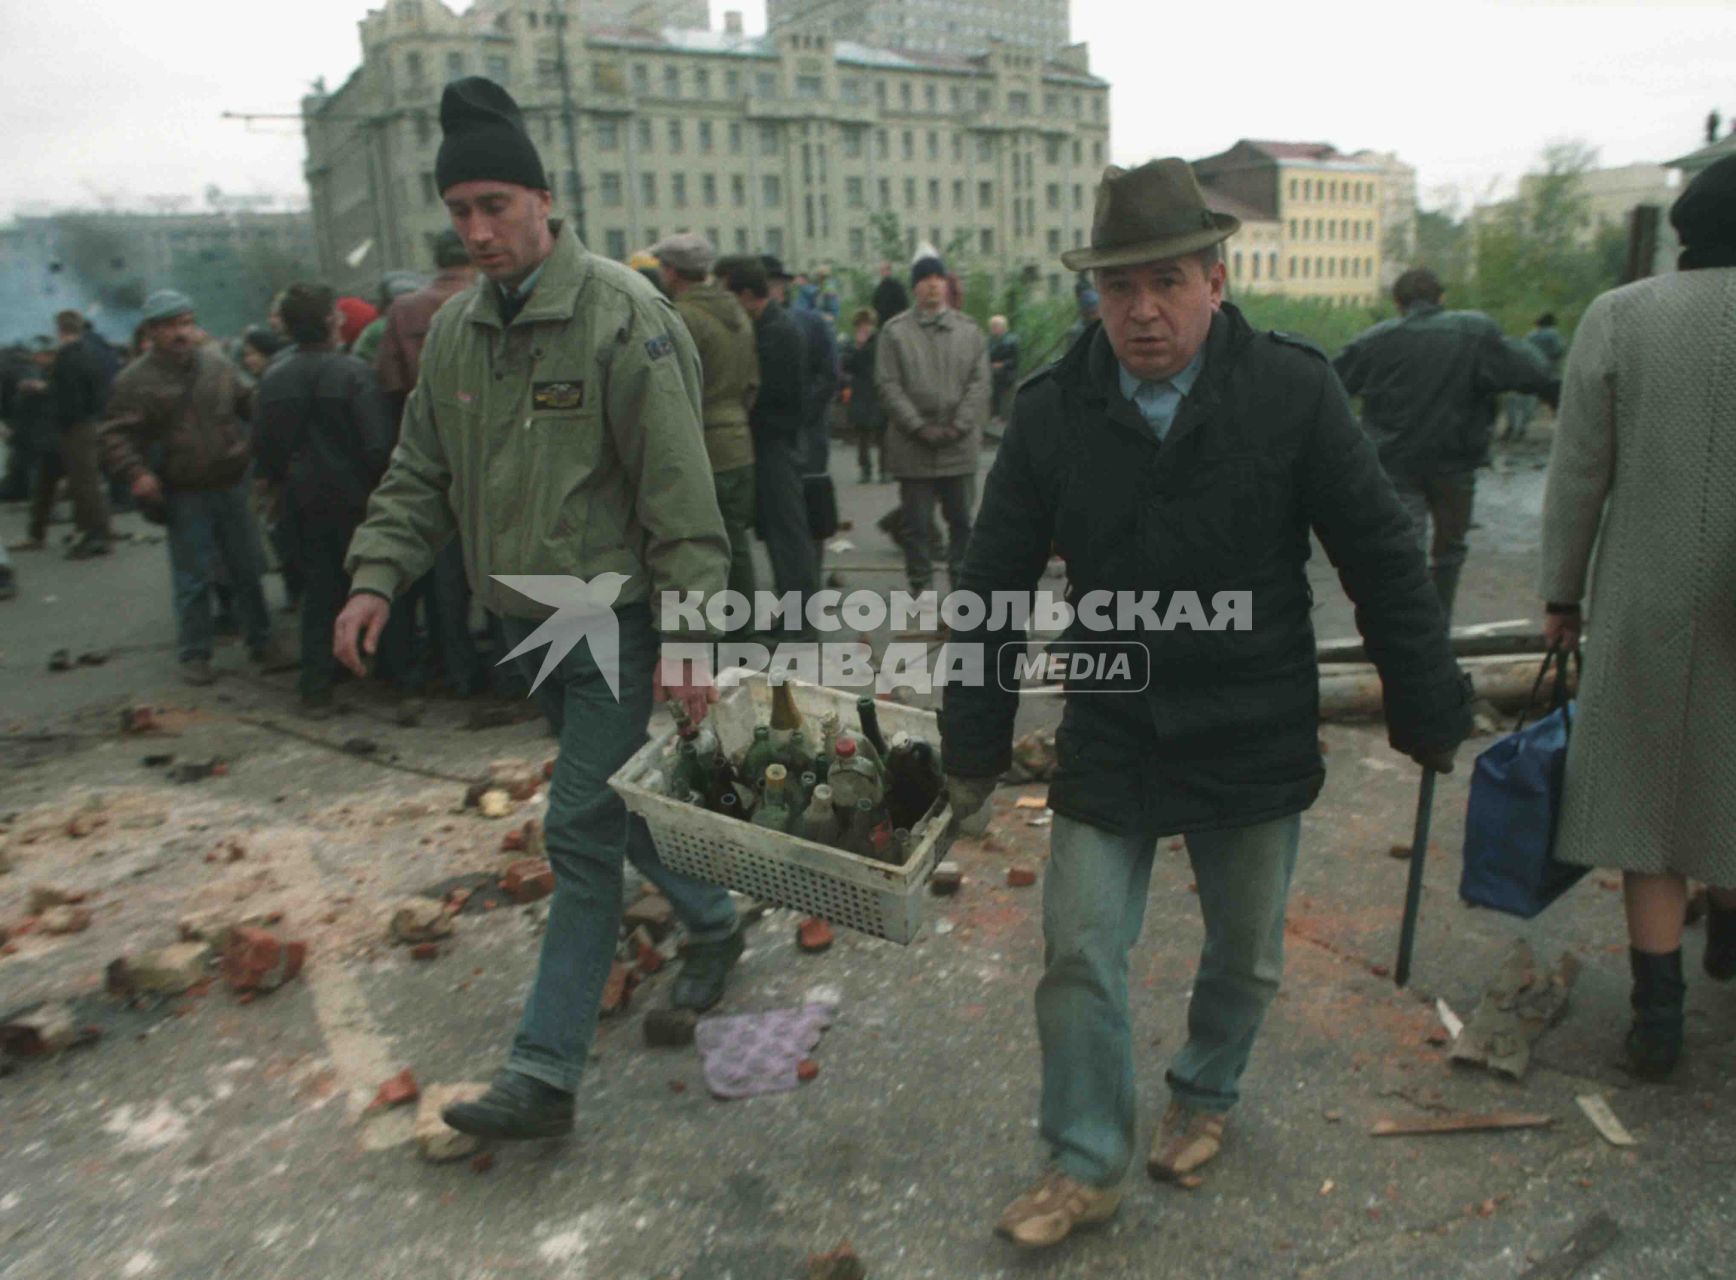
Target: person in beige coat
x=1644, y=468
x=932, y=373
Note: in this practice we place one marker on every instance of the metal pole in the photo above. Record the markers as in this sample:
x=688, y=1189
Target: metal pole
x=1413, y=892
x=577, y=181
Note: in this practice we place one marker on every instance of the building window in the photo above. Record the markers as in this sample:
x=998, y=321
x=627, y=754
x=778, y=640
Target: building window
x=608, y=135
x=1052, y=151
x=771, y=189
x=648, y=190
x=985, y=147
x=768, y=139
x=424, y=129
x=615, y=243
x=933, y=145
x=775, y=241
x=741, y=239
x=678, y=190
x=853, y=143
x=1236, y=270
x=675, y=140
x=930, y=96
x=738, y=190
x=853, y=194
x=610, y=184
x=907, y=145
x=705, y=143
x=765, y=84
x=910, y=193
x=985, y=195
x=880, y=143
x=1053, y=195
x=732, y=83
x=982, y=99
x=933, y=193
x=641, y=78
x=1305, y=268
x=1292, y=188
x=653, y=234
x=904, y=95
x=1254, y=262
x=430, y=191
x=886, y=193
x=413, y=69
x=1018, y=104
x=1292, y=228
x=454, y=65
x=644, y=132
x=735, y=137
x=708, y=192
x=671, y=81
x=850, y=89
x=958, y=146
x=810, y=87
x=548, y=72
x=1097, y=152
x=702, y=82
x=1054, y=240
x=880, y=93
x=498, y=68
x=986, y=240
x=958, y=193
x=1078, y=196
x=858, y=244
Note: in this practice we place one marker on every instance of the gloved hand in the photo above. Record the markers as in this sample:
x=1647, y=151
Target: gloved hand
x=1441, y=761
x=935, y=436
x=967, y=795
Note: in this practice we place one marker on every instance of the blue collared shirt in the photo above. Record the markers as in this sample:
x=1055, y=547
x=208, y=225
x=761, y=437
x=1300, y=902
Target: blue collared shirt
x=513, y=300
x=1159, y=401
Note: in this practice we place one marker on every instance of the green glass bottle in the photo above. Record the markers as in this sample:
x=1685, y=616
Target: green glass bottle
x=773, y=812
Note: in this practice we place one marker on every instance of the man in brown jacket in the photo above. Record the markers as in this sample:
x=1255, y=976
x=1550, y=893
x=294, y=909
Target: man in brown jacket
x=729, y=360
x=174, y=434
x=932, y=372
x=400, y=355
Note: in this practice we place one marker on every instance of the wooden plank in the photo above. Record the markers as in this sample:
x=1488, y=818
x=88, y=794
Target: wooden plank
x=1459, y=1122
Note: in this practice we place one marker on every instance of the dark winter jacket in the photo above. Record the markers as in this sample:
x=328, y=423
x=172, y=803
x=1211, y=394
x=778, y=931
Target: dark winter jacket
x=1429, y=382
x=890, y=298
x=776, y=416
x=858, y=364
x=323, y=433
x=819, y=385
x=1262, y=451
x=81, y=383
x=187, y=423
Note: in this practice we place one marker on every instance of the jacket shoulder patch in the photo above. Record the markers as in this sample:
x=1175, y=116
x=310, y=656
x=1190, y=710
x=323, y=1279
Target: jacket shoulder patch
x=660, y=346
x=1298, y=341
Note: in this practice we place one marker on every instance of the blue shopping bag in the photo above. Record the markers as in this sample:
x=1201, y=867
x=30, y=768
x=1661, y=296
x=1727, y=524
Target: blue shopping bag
x=1515, y=807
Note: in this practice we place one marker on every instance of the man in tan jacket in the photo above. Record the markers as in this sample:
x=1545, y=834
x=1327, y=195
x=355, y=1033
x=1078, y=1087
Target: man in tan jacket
x=729, y=362
x=932, y=372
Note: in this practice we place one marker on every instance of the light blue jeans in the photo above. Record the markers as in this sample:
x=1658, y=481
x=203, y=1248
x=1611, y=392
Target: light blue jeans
x=208, y=530
x=1093, y=906
x=590, y=833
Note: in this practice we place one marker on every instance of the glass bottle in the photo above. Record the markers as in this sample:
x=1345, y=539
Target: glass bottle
x=774, y=810
x=869, y=715
x=760, y=753
x=852, y=777
x=819, y=819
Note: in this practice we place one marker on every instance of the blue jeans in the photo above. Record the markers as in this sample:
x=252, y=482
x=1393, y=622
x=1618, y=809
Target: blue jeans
x=589, y=834
x=208, y=529
x=1093, y=906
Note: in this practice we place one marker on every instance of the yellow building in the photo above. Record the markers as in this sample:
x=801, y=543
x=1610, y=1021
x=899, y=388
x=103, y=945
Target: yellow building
x=1321, y=211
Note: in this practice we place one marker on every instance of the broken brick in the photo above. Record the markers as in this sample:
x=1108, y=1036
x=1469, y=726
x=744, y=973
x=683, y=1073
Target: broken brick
x=653, y=913
x=482, y=1162
x=518, y=778
x=528, y=880
x=82, y=824
x=44, y=896
x=513, y=841
x=814, y=935
x=456, y=899
x=437, y=1141
x=807, y=1069
x=840, y=1264
x=419, y=920
x=948, y=878
x=259, y=961
x=670, y=1028
x=65, y=919
x=617, y=990
x=398, y=1090
x=425, y=951
x=48, y=1028
x=167, y=971
x=1020, y=876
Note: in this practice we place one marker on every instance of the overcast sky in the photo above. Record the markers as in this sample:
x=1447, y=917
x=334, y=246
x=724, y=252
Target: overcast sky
x=123, y=100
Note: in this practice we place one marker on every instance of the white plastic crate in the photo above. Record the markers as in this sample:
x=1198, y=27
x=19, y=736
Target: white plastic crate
x=847, y=889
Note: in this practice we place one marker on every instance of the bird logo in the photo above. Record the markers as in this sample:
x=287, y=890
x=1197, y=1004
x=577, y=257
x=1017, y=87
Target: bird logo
x=582, y=611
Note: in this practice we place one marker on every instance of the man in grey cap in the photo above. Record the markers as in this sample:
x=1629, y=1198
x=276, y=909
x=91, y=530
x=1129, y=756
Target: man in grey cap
x=1175, y=454
x=174, y=433
x=729, y=361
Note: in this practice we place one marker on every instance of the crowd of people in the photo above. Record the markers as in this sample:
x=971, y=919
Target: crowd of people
x=535, y=409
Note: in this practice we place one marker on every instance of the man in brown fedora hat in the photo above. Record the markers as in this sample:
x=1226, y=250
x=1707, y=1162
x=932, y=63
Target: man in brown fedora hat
x=1178, y=460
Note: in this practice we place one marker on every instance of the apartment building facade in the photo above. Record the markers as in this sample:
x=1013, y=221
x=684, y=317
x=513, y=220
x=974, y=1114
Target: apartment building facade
x=792, y=143
x=1319, y=215
x=933, y=26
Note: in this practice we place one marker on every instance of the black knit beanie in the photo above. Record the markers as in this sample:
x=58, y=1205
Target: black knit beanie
x=924, y=267
x=484, y=138
x=1704, y=217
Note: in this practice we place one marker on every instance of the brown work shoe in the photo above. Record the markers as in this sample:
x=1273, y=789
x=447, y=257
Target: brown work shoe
x=1047, y=1213
x=1186, y=1141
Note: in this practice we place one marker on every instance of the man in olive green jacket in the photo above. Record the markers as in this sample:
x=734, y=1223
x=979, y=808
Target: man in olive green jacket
x=555, y=426
x=724, y=337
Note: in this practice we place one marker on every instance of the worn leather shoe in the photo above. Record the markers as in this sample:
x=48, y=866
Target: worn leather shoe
x=1186, y=1141
x=1047, y=1213
x=704, y=970
x=516, y=1108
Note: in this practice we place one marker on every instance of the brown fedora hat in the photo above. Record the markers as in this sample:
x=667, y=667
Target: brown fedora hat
x=1147, y=214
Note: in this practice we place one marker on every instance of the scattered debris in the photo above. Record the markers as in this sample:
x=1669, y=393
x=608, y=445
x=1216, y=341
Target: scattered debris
x=1459, y=1122
x=436, y=1141
x=140, y=720
x=1578, y=1251
x=947, y=880
x=814, y=935
x=748, y=1054
x=167, y=971
x=528, y=880
x=228, y=851
x=807, y=1069
x=1598, y=1111
x=257, y=961
x=93, y=658
x=840, y=1264
x=158, y=761
x=398, y=1090
x=38, y=1030
x=65, y=919
x=425, y=951
x=81, y=825
x=670, y=1028
x=482, y=1162
x=419, y=920
x=60, y=660
x=1033, y=757
x=1031, y=802
x=1020, y=876
x=44, y=896
x=197, y=770
x=1327, y=1186
x=618, y=989
x=213, y=925
x=1518, y=1006
x=494, y=803
x=1449, y=1019
x=653, y=913
x=360, y=746
x=518, y=778
x=1403, y=851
